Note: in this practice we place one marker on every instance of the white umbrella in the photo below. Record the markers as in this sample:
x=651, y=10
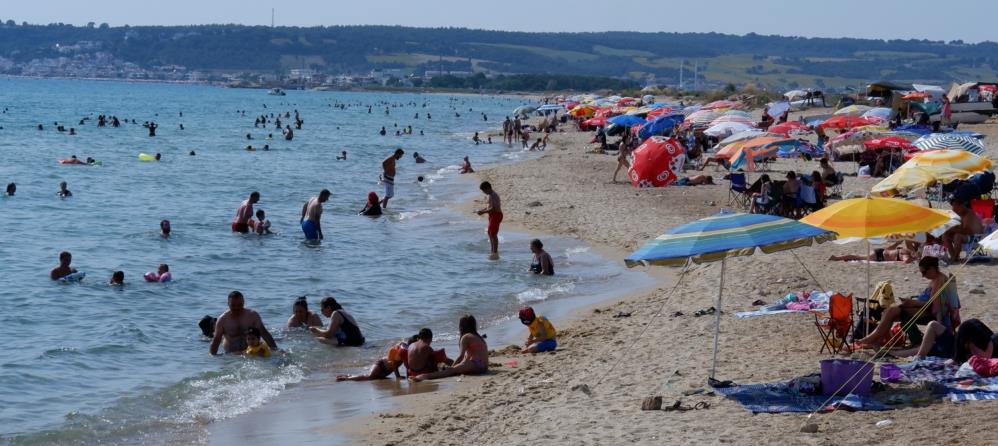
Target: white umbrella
x=795, y=94
x=725, y=129
x=741, y=136
x=777, y=109
x=990, y=244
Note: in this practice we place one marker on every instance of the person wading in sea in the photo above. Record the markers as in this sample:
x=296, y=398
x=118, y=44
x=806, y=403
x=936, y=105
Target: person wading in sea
x=230, y=329
x=311, y=214
x=388, y=176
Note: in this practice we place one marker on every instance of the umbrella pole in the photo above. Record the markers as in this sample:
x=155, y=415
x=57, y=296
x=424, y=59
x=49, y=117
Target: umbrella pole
x=866, y=310
x=717, y=320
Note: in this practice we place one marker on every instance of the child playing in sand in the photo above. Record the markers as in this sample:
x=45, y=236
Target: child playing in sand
x=253, y=345
x=262, y=226
x=393, y=360
x=542, y=336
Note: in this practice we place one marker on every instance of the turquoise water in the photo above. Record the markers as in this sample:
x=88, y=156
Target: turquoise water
x=86, y=363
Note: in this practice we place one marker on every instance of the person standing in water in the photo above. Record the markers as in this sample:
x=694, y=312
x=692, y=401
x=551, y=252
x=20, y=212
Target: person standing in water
x=388, y=176
x=311, y=214
x=63, y=270
x=231, y=326
x=494, y=209
x=240, y=223
x=343, y=330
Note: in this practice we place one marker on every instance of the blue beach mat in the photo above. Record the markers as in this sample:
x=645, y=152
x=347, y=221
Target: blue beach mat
x=778, y=397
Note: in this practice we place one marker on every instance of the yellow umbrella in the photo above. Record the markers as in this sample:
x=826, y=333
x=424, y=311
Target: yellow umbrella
x=907, y=179
x=875, y=217
x=871, y=217
x=951, y=159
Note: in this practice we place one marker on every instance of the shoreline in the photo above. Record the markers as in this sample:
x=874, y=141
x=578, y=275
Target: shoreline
x=562, y=398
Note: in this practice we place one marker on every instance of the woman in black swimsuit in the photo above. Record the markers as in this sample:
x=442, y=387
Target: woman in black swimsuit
x=343, y=329
x=542, y=263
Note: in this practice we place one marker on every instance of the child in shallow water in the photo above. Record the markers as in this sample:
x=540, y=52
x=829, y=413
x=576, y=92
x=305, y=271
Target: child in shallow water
x=262, y=226
x=162, y=274
x=253, y=345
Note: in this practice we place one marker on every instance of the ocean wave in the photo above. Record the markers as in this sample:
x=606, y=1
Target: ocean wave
x=542, y=294
x=217, y=397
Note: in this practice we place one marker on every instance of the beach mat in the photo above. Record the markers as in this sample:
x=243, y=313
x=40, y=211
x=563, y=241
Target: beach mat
x=778, y=397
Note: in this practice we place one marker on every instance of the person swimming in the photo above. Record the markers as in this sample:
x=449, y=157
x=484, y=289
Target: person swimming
x=162, y=274
x=164, y=228
x=301, y=317
x=64, y=269
x=117, y=278
x=343, y=156
x=11, y=189
x=63, y=191
x=373, y=207
x=419, y=159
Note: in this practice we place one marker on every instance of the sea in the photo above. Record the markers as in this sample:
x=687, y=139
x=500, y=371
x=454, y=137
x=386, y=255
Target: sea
x=87, y=363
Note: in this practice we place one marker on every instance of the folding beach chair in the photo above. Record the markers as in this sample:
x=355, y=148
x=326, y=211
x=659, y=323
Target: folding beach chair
x=834, y=326
x=738, y=190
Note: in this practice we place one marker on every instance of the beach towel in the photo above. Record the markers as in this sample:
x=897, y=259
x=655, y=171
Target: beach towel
x=971, y=386
x=930, y=369
x=800, y=302
x=779, y=397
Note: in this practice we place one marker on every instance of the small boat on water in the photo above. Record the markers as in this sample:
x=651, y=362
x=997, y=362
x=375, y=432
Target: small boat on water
x=276, y=92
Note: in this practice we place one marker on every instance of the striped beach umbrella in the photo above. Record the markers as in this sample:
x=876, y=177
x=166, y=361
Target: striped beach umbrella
x=908, y=179
x=949, y=159
x=942, y=141
x=720, y=237
x=853, y=110
x=731, y=118
x=702, y=118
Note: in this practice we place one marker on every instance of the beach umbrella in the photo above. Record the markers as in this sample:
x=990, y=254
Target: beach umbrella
x=690, y=109
x=657, y=162
x=890, y=143
x=949, y=159
x=722, y=236
x=625, y=120
x=731, y=118
x=883, y=113
x=702, y=118
x=777, y=109
x=726, y=128
x=944, y=141
x=795, y=94
x=524, y=110
x=762, y=148
x=741, y=136
x=660, y=125
x=786, y=128
x=908, y=179
x=990, y=244
x=737, y=113
x=722, y=105
x=595, y=122
x=874, y=217
x=550, y=107
x=853, y=110
x=846, y=122
x=582, y=110
x=660, y=111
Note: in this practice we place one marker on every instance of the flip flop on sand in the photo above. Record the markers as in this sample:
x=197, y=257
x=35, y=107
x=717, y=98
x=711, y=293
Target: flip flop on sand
x=705, y=312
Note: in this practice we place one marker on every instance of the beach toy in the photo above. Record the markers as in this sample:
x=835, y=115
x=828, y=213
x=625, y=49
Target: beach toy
x=890, y=373
x=70, y=161
x=153, y=277
x=72, y=278
x=146, y=157
x=512, y=363
x=844, y=376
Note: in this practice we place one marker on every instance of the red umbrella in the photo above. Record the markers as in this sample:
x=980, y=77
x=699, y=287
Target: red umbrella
x=658, y=112
x=786, y=128
x=722, y=104
x=847, y=122
x=594, y=122
x=657, y=162
x=890, y=143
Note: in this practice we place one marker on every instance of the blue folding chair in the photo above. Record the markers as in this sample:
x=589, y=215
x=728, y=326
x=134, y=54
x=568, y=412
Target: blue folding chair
x=738, y=190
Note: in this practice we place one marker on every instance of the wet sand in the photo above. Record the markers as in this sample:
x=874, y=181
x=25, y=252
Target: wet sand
x=590, y=390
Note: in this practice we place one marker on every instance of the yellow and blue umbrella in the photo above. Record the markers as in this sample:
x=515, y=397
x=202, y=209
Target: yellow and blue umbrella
x=726, y=235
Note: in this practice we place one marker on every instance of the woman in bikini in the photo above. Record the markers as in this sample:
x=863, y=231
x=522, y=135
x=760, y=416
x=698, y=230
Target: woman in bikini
x=894, y=253
x=473, y=359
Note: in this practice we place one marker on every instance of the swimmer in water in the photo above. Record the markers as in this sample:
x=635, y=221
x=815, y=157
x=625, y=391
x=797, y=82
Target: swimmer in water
x=466, y=166
x=343, y=156
x=262, y=226
x=266, y=147
x=11, y=189
x=388, y=175
x=255, y=348
x=117, y=278
x=248, y=136
x=230, y=328
x=311, y=216
x=162, y=274
x=250, y=148
x=373, y=207
x=192, y=153
x=158, y=156
x=64, y=269
x=164, y=228
x=301, y=317
x=63, y=191
x=240, y=223
x=419, y=159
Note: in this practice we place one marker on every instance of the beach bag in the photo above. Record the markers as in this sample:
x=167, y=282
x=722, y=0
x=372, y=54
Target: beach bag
x=883, y=296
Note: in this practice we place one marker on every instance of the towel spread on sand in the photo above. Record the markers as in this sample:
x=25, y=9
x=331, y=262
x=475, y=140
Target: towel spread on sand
x=961, y=382
x=800, y=302
x=779, y=397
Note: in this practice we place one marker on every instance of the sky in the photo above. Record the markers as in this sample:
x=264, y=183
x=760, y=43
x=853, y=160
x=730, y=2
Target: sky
x=967, y=20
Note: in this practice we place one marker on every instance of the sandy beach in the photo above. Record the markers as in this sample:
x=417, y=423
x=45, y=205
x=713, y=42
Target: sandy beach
x=590, y=391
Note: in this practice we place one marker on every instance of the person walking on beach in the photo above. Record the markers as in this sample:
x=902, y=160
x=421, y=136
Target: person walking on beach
x=311, y=214
x=240, y=223
x=231, y=326
x=388, y=176
x=63, y=270
x=494, y=209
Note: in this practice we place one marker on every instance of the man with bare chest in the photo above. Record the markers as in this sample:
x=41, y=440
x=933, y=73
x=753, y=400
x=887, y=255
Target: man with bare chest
x=230, y=329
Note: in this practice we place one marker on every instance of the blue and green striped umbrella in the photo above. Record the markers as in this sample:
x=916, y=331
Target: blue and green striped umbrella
x=724, y=235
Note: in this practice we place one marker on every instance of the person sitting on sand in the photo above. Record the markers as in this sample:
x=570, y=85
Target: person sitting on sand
x=944, y=309
x=828, y=172
x=342, y=330
x=466, y=166
x=973, y=338
x=162, y=274
x=63, y=191
x=696, y=180
x=63, y=270
x=301, y=317
x=373, y=206
x=473, y=357
x=230, y=328
x=117, y=278
x=421, y=358
x=262, y=226
x=393, y=360
x=969, y=227
x=255, y=348
x=542, y=263
x=419, y=159
x=542, y=337
x=893, y=253
x=164, y=228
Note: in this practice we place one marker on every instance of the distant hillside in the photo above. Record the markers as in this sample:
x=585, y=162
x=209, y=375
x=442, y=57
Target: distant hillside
x=768, y=61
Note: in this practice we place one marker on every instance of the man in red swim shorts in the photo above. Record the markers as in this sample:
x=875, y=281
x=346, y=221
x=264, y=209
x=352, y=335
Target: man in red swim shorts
x=494, y=209
x=240, y=223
